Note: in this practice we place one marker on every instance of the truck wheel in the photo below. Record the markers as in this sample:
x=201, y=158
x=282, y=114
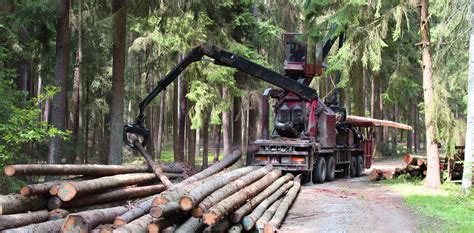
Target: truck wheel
x=319, y=170
x=331, y=168
x=353, y=167
x=360, y=166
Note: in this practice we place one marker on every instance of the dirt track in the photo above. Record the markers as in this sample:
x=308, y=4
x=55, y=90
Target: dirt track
x=349, y=205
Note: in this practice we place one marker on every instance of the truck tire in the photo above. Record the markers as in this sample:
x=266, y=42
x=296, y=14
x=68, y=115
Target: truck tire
x=360, y=166
x=330, y=168
x=319, y=170
x=353, y=167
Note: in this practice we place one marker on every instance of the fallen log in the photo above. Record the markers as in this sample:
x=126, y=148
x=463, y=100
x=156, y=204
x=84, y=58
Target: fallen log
x=49, y=226
x=114, y=195
x=15, y=203
x=245, y=209
x=88, y=220
x=218, y=211
x=138, y=225
x=19, y=220
x=69, y=190
x=237, y=228
x=57, y=214
x=219, y=227
x=79, y=169
x=191, y=225
x=282, y=209
x=196, y=195
x=267, y=216
x=229, y=189
x=43, y=188
x=164, y=210
x=156, y=168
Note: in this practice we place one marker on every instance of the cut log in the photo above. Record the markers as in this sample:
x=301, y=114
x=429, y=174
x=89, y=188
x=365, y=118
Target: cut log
x=43, y=188
x=376, y=122
x=134, y=213
x=191, y=225
x=67, y=191
x=267, y=216
x=245, y=209
x=156, y=168
x=54, y=203
x=196, y=195
x=165, y=210
x=229, y=189
x=237, y=228
x=249, y=221
x=138, y=225
x=115, y=195
x=218, y=211
x=219, y=227
x=15, y=203
x=79, y=169
x=19, y=220
x=88, y=220
x=49, y=226
x=99, y=206
x=57, y=214
x=160, y=224
x=282, y=209
x=53, y=191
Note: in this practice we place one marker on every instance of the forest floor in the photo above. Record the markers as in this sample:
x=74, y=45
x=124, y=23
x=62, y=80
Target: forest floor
x=352, y=205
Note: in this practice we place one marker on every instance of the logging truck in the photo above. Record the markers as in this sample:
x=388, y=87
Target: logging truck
x=308, y=135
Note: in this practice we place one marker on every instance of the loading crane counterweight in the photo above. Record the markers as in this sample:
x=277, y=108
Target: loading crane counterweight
x=308, y=136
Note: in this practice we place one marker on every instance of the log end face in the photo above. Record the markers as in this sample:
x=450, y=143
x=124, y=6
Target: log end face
x=210, y=218
x=197, y=212
x=185, y=203
x=119, y=221
x=75, y=223
x=153, y=228
x=66, y=192
x=269, y=228
x=54, y=190
x=9, y=170
x=248, y=223
x=25, y=191
x=156, y=212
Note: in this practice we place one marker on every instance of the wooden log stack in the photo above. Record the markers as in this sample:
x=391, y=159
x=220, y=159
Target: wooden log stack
x=226, y=195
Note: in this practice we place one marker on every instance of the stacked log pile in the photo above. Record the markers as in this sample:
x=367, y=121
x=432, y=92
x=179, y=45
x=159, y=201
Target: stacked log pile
x=224, y=197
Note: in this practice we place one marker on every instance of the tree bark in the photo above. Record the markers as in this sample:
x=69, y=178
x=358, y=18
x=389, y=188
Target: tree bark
x=267, y=216
x=237, y=121
x=182, y=119
x=58, y=116
x=118, y=83
x=357, y=80
x=218, y=211
x=134, y=213
x=175, y=118
x=165, y=210
x=219, y=227
x=57, y=214
x=226, y=124
x=138, y=225
x=161, y=125
x=88, y=220
x=229, y=189
x=205, y=141
x=15, y=203
x=432, y=175
x=190, y=200
x=216, y=137
x=160, y=224
x=283, y=208
x=469, y=149
x=19, y=220
x=49, y=226
x=275, y=187
x=68, y=191
x=250, y=220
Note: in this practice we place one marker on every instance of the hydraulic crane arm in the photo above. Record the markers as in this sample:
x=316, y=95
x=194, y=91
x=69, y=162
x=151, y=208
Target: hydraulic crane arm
x=224, y=58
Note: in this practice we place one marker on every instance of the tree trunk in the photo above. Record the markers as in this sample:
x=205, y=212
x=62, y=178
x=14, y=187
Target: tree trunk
x=58, y=116
x=190, y=200
x=229, y=189
x=114, y=195
x=432, y=174
x=174, y=110
x=22, y=65
x=88, y=220
x=237, y=122
x=216, y=137
x=67, y=191
x=205, y=140
x=275, y=187
x=49, y=226
x=226, y=124
x=218, y=211
x=118, y=88
x=357, y=80
x=283, y=208
x=84, y=169
x=161, y=125
x=182, y=119
x=469, y=149
x=23, y=219
x=191, y=147
x=15, y=203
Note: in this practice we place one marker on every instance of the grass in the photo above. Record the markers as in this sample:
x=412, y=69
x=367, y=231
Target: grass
x=451, y=211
